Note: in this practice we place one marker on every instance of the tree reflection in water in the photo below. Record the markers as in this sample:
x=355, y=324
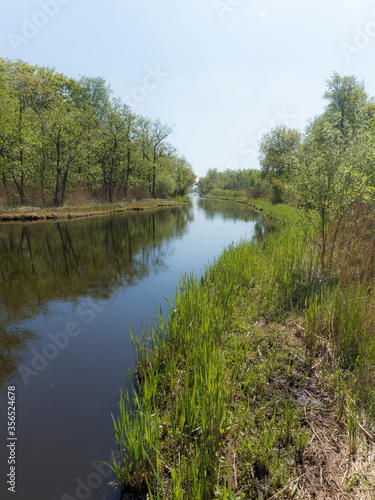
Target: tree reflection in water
x=65, y=261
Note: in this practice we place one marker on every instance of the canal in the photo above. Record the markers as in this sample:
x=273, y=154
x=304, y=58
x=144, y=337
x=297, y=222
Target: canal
x=69, y=293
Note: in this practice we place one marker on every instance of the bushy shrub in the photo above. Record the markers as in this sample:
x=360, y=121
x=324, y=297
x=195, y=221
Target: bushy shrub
x=278, y=191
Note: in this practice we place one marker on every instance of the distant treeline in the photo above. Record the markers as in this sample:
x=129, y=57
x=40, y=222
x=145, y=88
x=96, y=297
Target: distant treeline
x=249, y=180
x=59, y=135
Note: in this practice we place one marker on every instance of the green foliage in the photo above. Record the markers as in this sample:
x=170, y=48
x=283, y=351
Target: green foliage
x=278, y=191
x=58, y=134
x=216, y=382
x=346, y=97
x=327, y=180
x=275, y=149
x=212, y=375
x=165, y=185
x=241, y=180
x=334, y=166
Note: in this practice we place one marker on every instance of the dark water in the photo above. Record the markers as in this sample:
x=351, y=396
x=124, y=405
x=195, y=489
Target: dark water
x=68, y=293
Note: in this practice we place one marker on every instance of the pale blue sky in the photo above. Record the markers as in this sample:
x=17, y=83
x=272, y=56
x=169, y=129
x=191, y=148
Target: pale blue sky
x=224, y=71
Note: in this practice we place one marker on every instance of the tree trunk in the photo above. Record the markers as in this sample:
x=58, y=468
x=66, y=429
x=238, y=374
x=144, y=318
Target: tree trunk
x=19, y=188
x=58, y=176
x=6, y=190
x=42, y=187
x=57, y=188
x=153, y=180
x=127, y=173
x=63, y=187
x=20, y=185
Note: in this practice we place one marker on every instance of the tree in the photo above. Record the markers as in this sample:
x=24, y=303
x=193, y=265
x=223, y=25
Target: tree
x=53, y=114
x=92, y=93
x=66, y=128
x=8, y=107
x=132, y=150
x=110, y=147
x=184, y=175
x=346, y=98
x=276, y=147
x=159, y=133
x=57, y=133
x=165, y=184
x=25, y=93
x=278, y=191
x=326, y=180
x=209, y=181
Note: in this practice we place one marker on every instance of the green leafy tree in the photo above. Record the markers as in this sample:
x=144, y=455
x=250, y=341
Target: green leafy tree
x=92, y=93
x=111, y=147
x=248, y=180
x=184, y=175
x=25, y=93
x=8, y=106
x=326, y=180
x=165, y=184
x=276, y=147
x=59, y=134
x=66, y=128
x=346, y=99
x=132, y=153
x=278, y=191
x=159, y=132
x=209, y=181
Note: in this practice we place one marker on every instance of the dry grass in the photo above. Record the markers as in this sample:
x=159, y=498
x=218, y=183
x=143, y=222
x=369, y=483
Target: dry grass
x=77, y=211
x=326, y=469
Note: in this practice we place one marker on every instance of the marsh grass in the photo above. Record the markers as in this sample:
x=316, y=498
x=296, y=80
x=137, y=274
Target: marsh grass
x=344, y=313
x=201, y=382
x=216, y=408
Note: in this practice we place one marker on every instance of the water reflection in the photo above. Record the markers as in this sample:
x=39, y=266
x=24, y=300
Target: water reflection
x=63, y=261
x=230, y=210
x=13, y=349
x=48, y=272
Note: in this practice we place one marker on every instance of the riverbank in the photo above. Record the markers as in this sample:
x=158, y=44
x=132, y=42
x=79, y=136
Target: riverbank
x=22, y=214
x=280, y=212
x=259, y=384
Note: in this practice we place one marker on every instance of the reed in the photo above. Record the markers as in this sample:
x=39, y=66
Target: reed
x=212, y=411
x=343, y=315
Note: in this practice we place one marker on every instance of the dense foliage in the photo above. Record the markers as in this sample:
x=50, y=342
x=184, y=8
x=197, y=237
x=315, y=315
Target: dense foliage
x=58, y=134
x=327, y=170
x=240, y=180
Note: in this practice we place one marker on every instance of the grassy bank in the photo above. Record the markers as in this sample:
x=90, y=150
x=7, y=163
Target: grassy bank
x=26, y=213
x=260, y=383
x=279, y=212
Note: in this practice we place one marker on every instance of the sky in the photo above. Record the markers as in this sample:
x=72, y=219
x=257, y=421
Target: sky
x=223, y=72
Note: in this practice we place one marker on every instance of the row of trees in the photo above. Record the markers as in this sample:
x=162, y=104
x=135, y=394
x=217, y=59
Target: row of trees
x=249, y=180
x=327, y=168
x=58, y=134
x=347, y=125
x=331, y=166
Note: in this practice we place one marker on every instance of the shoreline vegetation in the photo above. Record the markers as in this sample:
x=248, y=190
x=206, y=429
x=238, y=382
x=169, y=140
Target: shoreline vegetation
x=26, y=214
x=273, y=211
x=260, y=382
